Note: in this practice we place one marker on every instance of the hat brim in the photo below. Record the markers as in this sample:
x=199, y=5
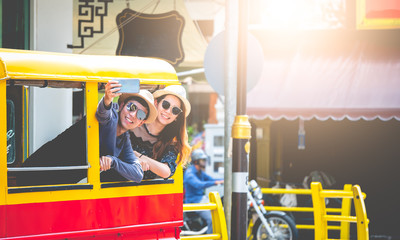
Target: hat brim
x=152, y=114
x=185, y=102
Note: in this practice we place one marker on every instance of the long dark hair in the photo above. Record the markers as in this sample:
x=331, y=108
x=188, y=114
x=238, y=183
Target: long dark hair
x=173, y=134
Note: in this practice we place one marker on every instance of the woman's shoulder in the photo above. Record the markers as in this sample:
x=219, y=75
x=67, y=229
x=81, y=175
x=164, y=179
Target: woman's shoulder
x=142, y=134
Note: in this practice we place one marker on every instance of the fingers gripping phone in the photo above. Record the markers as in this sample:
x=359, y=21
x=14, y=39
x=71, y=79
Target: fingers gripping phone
x=129, y=85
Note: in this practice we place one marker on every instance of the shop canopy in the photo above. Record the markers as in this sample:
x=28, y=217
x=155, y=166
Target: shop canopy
x=328, y=75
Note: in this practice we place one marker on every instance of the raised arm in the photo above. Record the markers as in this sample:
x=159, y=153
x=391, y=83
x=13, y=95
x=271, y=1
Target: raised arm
x=103, y=113
x=111, y=91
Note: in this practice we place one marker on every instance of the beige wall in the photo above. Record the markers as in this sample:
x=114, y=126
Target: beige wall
x=260, y=157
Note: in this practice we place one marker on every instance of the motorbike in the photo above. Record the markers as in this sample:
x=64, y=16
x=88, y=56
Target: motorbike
x=272, y=225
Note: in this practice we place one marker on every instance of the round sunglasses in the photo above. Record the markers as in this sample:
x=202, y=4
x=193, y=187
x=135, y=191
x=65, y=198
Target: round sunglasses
x=166, y=105
x=140, y=114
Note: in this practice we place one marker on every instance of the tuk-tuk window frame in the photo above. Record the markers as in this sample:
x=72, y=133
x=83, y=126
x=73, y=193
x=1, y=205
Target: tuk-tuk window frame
x=50, y=186
x=91, y=98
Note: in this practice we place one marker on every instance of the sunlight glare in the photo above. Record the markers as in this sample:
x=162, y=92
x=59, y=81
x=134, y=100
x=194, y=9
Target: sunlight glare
x=288, y=14
x=301, y=14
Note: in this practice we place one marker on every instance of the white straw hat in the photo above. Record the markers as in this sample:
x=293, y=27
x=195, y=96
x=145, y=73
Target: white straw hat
x=179, y=92
x=146, y=96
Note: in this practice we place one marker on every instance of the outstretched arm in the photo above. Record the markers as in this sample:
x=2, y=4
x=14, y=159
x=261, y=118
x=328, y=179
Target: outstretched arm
x=194, y=181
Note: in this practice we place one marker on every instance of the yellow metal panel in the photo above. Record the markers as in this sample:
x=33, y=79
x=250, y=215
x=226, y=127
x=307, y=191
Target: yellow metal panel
x=178, y=178
x=199, y=206
x=70, y=195
x=3, y=142
x=285, y=191
x=218, y=216
x=38, y=65
x=336, y=194
x=201, y=237
x=337, y=218
x=25, y=124
x=319, y=208
x=97, y=193
x=361, y=213
x=92, y=127
x=319, y=211
x=3, y=72
x=346, y=211
x=301, y=226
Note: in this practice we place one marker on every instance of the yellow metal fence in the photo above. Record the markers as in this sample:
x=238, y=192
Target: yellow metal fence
x=350, y=195
x=323, y=215
x=217, y=214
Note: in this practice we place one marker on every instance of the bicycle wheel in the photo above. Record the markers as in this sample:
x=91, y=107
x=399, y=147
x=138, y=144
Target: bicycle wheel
x=282, y=226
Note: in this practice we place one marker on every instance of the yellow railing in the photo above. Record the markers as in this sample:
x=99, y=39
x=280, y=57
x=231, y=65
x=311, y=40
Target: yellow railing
x=218, y=217
x=319, y=207
x=321, y=218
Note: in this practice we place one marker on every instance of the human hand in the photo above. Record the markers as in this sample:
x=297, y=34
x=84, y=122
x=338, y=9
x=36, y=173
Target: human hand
x=218, y=182
x=145, y=165
x=105, y=163
x=137, y=154
x=111, y=91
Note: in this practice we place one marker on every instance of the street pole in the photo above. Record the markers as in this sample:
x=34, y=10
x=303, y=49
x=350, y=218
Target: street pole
x=241, y=133
x=231, y=43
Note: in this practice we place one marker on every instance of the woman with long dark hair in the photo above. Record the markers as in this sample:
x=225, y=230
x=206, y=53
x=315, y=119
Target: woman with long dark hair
x=163, y=144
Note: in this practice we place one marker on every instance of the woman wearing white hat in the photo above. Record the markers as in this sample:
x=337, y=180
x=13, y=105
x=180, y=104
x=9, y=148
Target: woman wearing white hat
x=158, y=144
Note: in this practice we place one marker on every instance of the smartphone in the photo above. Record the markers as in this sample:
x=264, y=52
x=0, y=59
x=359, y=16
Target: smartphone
x=130, y=85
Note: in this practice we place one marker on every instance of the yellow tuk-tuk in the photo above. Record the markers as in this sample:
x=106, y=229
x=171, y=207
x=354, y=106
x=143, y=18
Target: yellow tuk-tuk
x=151, y=209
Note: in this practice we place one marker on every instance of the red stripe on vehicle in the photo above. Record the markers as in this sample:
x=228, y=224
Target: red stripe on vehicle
x=2, y=220
x=80, y=215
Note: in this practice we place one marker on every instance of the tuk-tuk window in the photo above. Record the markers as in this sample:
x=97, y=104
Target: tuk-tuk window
x=61, y=160
x=10, y=132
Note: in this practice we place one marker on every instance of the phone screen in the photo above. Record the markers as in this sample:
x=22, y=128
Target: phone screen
x=129, y=85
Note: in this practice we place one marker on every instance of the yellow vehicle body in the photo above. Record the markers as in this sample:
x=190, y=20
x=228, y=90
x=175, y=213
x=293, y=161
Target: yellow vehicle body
x=149, y=210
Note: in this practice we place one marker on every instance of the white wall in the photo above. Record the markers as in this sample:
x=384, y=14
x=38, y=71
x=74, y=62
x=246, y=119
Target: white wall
x=50, y=110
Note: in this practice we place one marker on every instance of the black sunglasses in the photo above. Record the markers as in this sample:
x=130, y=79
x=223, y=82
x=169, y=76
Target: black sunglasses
x=140, y=114
x=166, y=105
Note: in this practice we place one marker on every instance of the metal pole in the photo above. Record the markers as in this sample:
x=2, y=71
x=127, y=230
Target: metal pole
x=231, y=43
x=242, y=58
x=241, y=133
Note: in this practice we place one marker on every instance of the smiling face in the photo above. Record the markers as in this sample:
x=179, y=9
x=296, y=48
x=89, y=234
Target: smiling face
x=128, y=118
x=166, y=109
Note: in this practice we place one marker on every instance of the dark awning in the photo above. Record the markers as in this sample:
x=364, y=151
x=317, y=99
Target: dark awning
x=331, y=74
